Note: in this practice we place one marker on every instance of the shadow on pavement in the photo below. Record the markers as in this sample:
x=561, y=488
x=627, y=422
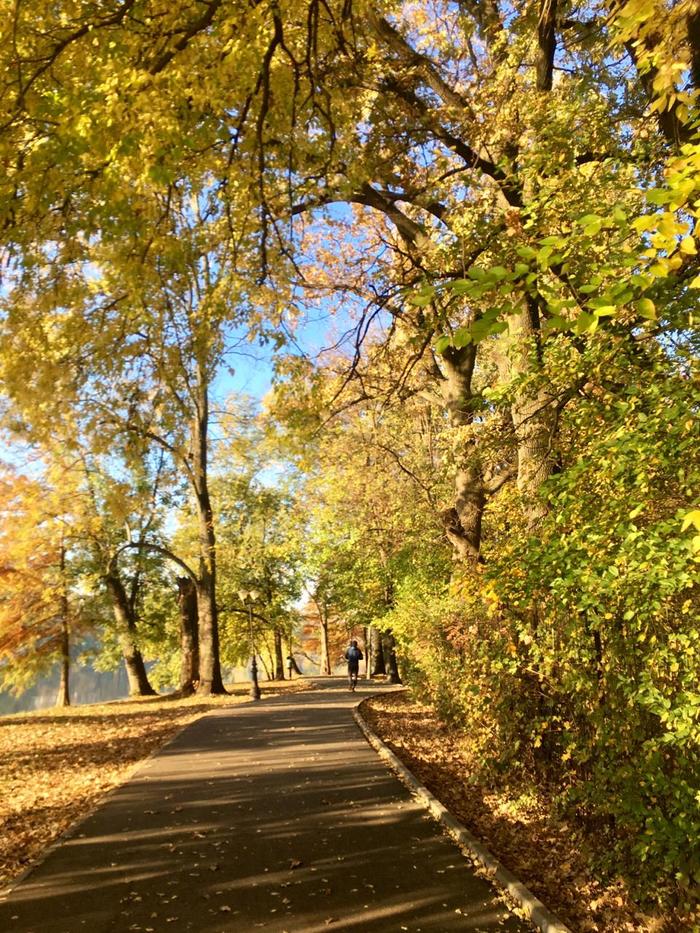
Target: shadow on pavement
x=275, y=816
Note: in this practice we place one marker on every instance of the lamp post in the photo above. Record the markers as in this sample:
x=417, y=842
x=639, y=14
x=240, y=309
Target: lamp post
x=248, y=597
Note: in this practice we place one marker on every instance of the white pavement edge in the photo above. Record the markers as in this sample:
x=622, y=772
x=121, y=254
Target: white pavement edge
x=532, y=906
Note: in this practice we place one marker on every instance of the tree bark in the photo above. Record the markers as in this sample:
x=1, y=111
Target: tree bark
x=189, y=636
x=210, y=680
x=63, y=695
x=279, y=656
x=463, y=522
x=547, y=41
x=390, y=655
x=534, y=416
x=325, y=665
x=378, y=665
x=139, y=685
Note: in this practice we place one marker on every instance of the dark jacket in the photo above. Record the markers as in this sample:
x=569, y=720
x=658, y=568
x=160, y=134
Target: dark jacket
x=353, y=656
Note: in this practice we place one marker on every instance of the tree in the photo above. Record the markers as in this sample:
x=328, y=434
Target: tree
x=261, y=530
x=40, y=613
x=155, y=335
x=519, y=194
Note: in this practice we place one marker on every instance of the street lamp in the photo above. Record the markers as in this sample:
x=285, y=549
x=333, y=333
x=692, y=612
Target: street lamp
x=248, y=597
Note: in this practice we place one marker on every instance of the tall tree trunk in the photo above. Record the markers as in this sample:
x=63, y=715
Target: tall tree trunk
x=139, y=685
x=325, y=665
x=63, y=695
x=463, y=522
x=210, y=680
x=378, y=665
x=390, y=655
x=189, y=637
x=368, y=649
x=279, y=656
x=533, y=412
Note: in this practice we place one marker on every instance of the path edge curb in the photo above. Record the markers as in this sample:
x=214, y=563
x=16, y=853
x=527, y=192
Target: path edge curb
x=535, y=910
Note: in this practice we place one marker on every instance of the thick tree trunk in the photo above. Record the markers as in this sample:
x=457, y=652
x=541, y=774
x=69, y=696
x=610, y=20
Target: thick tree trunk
x=534, y=416
x=137, y=677
x=378, y=663
x=210, y=680
x=279, y=656
x=189, y=637
x=463, y=522
x=390, y=655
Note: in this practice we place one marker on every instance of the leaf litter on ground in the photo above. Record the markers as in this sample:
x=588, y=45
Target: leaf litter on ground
x=548, y=854
x=56, y=765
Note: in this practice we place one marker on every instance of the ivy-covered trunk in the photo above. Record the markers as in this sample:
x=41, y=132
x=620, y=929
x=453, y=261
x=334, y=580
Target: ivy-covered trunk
x=463, y=522
x=533, y=412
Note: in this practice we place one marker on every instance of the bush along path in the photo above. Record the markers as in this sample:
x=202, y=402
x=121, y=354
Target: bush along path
x=275, y=815
x=520, y=821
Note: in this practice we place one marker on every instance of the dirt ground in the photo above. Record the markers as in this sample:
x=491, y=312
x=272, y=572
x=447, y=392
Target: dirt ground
x=548, y=855
x=57, y=764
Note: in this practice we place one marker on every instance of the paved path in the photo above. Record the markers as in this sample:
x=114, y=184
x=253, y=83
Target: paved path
x=276, y=816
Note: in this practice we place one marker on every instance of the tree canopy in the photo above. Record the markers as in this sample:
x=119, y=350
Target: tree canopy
x=494, y=463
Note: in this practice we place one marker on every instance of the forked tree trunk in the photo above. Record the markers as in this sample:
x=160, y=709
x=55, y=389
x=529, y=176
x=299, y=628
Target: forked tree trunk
x=137, y=677
x=189, y=638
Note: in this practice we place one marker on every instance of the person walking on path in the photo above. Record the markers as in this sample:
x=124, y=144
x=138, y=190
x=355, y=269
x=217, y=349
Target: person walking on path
x=353, y=656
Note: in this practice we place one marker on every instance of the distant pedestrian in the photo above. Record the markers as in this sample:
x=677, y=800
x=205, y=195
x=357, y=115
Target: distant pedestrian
x=290, y=665
x=353, y=656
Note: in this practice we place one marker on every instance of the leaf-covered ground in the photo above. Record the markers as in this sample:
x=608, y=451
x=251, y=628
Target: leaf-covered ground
x=548, y=855
x=56, y=765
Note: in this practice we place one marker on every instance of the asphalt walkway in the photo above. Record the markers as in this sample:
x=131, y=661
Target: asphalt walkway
x=274, y=816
